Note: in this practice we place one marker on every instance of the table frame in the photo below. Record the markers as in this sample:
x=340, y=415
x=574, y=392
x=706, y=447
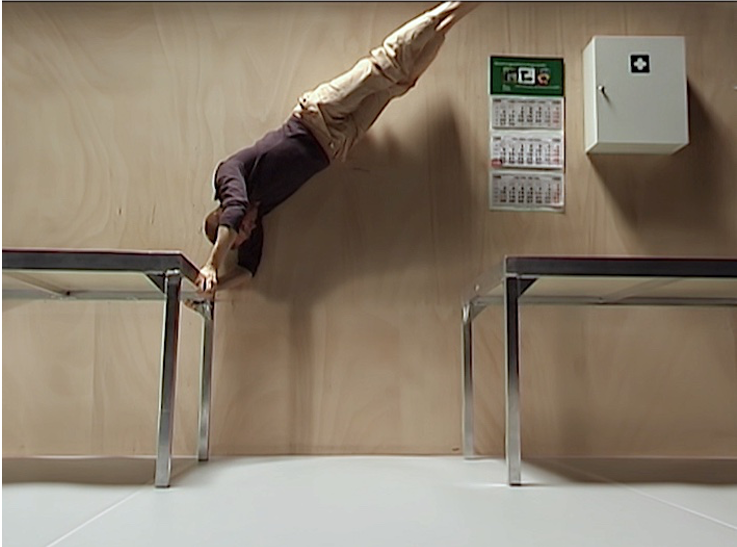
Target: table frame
x=166, y=270
x=517, y=274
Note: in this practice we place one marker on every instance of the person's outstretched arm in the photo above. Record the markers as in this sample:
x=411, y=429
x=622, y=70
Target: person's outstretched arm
x=226, y=239
x=207, y=281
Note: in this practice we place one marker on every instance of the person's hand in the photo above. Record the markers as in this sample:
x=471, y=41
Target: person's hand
x=207, y=281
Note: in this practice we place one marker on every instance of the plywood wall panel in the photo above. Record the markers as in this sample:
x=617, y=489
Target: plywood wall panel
x=348, y=340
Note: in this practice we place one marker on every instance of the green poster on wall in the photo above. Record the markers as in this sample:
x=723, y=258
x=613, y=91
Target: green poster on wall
x=526, y=76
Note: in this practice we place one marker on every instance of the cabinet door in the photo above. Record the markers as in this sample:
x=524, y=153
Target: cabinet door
x=641, y=92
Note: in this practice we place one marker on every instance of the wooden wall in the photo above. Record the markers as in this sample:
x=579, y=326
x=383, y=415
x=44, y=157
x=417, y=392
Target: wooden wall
x=348, y=341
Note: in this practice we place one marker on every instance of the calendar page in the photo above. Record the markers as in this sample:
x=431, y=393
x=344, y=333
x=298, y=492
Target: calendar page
x=526, y=134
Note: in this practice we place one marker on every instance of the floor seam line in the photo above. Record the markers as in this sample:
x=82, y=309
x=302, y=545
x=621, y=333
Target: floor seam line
x=94, y=518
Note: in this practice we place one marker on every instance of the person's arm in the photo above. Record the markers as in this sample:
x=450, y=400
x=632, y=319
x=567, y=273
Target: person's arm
x=207, y=281
x=231, y=191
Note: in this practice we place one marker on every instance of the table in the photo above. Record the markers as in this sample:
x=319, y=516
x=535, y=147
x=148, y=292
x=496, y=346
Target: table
x=34, y=274
x=608, y=281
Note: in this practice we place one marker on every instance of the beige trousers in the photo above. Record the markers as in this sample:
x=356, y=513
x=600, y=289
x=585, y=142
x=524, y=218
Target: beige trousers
x=340, y=111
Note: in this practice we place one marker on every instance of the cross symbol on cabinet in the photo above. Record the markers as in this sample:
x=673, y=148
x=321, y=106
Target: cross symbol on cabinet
x=640, y=64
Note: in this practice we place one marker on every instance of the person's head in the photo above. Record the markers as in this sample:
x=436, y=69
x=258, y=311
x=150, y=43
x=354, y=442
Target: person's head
x=212, y=221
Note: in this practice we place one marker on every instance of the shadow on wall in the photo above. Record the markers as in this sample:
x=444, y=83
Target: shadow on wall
x=88, y=470
x=677, y=202
x=393, y=208
x=643, y=470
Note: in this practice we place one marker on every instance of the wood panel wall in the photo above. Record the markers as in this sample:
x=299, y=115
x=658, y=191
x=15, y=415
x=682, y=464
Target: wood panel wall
x=348, y=340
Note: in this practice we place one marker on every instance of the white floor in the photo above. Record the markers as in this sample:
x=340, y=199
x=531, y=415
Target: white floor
x=370, y=501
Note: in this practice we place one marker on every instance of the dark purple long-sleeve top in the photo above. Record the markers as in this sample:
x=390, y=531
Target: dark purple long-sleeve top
x=265, y=175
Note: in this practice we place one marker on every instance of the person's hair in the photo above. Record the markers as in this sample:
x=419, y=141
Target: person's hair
x=212, y=221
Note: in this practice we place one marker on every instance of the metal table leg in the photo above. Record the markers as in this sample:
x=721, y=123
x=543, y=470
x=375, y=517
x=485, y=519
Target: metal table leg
x=208, y=313
x=514, y=287
x=467, y=337
x=172, y=288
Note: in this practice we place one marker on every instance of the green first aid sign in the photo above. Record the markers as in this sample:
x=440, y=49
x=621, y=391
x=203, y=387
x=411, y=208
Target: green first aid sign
x=526, y=76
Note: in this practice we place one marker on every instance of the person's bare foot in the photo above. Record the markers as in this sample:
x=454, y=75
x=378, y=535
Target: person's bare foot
x=456, y=11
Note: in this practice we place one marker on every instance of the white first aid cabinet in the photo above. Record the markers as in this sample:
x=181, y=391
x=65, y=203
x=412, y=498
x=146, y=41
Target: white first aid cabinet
x=635, y=95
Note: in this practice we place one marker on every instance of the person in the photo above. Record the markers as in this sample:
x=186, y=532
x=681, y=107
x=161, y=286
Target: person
x=323, y=127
